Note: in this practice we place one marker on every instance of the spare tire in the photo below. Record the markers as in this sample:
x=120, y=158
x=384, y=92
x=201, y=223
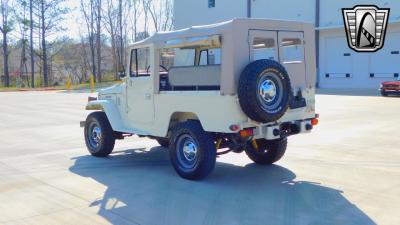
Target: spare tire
x=264, y=91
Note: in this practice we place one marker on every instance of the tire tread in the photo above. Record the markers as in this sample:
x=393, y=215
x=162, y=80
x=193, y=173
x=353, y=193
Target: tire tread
x=108, y=137
x=206, y=146
x=247, y=97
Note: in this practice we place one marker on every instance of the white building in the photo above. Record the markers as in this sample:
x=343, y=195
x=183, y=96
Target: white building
x=338, y=66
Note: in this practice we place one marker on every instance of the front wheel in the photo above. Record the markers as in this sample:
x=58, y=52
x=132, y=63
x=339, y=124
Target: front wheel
x=384, y=93
x=192, y=151
x=99, y=135
x=266, y=152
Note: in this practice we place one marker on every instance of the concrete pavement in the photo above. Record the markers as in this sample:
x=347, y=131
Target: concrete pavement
x=346, y=172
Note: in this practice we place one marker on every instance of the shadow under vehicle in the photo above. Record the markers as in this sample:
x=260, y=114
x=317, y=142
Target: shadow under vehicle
x=141, y=188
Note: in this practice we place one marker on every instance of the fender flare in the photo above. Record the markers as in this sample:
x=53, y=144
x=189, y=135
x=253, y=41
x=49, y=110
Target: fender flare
x=112, y=112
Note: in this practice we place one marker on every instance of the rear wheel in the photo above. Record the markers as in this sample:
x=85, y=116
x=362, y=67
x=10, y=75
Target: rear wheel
x=99, y=136
x=266, y=152
x=192, y=151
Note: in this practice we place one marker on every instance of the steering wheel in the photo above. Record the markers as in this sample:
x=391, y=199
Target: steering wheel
x=161, y=66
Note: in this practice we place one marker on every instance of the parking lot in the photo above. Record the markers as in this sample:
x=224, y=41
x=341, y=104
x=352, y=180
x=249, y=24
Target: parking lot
x=346, y=172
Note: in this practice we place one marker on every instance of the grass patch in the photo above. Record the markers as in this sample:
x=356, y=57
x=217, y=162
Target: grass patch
x=73, y=87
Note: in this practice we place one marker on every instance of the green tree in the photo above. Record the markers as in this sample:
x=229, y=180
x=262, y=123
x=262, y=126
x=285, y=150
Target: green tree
x=50, y=14
x=6, y=26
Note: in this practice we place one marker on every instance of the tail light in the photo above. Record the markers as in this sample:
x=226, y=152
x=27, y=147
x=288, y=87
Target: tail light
x=314, y=122
x=246, y=133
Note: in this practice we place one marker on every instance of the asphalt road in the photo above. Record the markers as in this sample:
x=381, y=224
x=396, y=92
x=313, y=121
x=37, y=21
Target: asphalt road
x=346, y=172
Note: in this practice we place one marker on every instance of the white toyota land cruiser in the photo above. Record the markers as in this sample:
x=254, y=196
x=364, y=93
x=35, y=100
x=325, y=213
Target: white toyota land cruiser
x=242, y=85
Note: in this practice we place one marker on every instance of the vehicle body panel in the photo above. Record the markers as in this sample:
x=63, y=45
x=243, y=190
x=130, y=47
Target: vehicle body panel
x=138, y=106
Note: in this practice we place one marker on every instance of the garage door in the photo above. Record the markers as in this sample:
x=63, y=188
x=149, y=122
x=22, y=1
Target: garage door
x=385, y=64
x=341, y=67
x=338, y=60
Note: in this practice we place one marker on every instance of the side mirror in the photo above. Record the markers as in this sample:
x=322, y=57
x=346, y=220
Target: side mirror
x=121, y=74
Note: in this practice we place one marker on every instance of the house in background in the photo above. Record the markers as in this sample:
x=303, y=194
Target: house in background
x=338, y=65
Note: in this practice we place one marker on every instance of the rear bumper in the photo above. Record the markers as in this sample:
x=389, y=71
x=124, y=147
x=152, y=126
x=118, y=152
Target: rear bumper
x=272, y=132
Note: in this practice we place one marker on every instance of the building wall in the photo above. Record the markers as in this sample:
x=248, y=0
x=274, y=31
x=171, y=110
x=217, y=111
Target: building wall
x=300, y=10
x=337, y=59
x=345, y=67
x=196, y=12
x=331, y=10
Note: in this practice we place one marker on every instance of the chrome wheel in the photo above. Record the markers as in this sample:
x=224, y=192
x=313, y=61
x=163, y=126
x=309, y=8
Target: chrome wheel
x=187, y=152
x=99, y=135
x=269, y=91
x=95, y=135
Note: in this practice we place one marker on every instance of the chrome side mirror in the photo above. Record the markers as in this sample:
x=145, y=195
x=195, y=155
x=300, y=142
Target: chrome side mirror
x=122, y=74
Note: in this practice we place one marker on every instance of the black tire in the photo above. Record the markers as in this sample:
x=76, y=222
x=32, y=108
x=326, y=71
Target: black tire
x=384, y=94
x=268, y=152
x=99, y=144
x=164, y=142
x=264, y=91
x=199, y=159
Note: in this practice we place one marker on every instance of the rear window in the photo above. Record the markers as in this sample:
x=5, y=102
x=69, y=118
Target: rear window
x=293, y=50
x=264, y=48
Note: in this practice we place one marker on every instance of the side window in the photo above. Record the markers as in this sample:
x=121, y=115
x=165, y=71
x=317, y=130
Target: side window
x=167, y=58
x=203, y=58
x=210, y=56
x=140, y=62
x=176, y=57
x=293, y=50
x=214, y=56
x=264, y=48
x=184, y=57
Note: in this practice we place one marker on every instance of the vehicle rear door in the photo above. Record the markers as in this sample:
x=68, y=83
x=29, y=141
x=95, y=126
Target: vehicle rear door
x=263, y=45
x=285, y=47
x=291, y=56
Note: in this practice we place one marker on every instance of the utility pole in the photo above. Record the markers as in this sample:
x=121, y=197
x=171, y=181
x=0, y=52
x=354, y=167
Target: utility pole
x=249, y=8
x=31, y=44
x=317, y=24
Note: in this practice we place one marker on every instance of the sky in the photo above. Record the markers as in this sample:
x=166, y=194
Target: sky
x=73, y=20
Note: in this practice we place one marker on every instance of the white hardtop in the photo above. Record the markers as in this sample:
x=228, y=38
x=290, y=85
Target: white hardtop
x=224, y=28
x=234, y=36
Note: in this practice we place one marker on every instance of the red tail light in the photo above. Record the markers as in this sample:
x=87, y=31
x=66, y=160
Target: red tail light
x=246, y=133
